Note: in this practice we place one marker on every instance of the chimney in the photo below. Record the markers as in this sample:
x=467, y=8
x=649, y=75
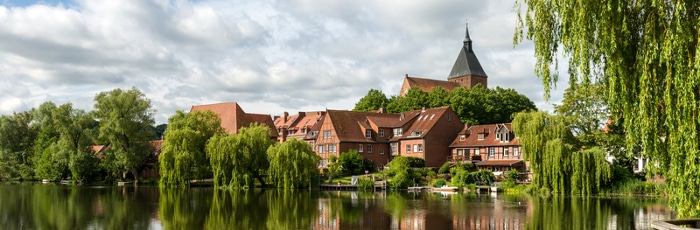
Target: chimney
x=284, y=118
x=382, y=110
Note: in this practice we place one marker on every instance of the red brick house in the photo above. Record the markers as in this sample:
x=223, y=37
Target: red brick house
x=492, y=146
x=233, y=118
x=466, y=72
x=428, y=135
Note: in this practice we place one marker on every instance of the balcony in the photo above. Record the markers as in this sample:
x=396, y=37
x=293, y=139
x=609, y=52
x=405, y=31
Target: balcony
x=463, y=158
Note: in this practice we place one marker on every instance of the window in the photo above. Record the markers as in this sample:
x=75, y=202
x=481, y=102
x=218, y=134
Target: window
x=459, y=152
x=360, y=148
x=481, y=136
x=381, y=151
x=418, y=148
x=515, y=151
x=321, y=148
x=398, y=131
x=462, y=137
x=312, y=145
x=477, y=152
x=505, y=151
x=492, y=151
x=381, y=132
x=369, y=148
x=368, y=133
x=331, y=148
x=417, y=133
x=327, y=134
x=394, y=147
x=408, y=148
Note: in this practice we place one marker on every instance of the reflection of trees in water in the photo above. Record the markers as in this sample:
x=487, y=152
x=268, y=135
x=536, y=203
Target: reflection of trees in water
x=184, y=208
x=588, y=213
x=237, y=209
x=38, y=206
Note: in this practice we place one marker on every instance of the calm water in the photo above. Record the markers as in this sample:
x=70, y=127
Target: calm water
x=38, y=206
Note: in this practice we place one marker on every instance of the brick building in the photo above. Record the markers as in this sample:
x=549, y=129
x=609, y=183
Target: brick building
x=466, y=72
x=491, y=146
x=233, y=118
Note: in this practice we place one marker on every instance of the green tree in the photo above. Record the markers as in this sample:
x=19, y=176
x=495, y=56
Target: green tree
x=292, y=164
x=646, y=55
x=585, y=111
x=414, y=99
x=75, y=128
x=374, y=100
x=17, y=135
x=183, y=156
x=159, y=131
x=238, y=159
x=547, y=143
x=126, y=120
x=48, y=163
x=335, y=168
x=352, y=162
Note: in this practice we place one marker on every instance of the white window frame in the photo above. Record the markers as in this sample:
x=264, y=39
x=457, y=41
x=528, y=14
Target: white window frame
x=360, y=148
x=417, y=148
x=331, y=148
x=505, y=151
x=326, y=134
x=492, y=151
x=369, y=148
x=321, y=148
x=408, y=148
x=381, y=132
x=368, y=133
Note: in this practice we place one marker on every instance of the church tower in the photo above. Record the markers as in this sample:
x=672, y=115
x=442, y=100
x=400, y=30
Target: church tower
x=467, y=70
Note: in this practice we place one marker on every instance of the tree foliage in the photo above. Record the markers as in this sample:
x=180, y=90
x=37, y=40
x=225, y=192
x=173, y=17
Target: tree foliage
x=352, y=162
x=183, y=155
x=585, y=111
x=556, y=159
x=238, y=159
x=292, y=164
x=374, y=100
x=126, y=120
x=17, y=139
x=478, y=105
x=645, y=53
x=75, y=127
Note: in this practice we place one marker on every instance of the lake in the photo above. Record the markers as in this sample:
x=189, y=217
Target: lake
x=51, y=206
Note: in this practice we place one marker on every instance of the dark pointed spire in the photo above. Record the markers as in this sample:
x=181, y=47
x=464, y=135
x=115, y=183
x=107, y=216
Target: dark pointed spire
x=467, y=39
x=466, y=63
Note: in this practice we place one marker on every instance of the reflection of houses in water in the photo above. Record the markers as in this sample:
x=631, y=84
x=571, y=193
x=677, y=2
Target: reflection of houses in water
x=373, y=213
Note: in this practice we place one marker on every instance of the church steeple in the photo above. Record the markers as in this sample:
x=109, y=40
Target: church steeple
x=468, y=40
x=467, y=70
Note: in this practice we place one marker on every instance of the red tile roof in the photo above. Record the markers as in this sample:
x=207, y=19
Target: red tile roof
x=471, y=134
x=423, y=121
x=427, y=85
x=348, y=124
x=233, y=117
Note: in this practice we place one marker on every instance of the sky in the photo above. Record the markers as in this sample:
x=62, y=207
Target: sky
x=269, y=56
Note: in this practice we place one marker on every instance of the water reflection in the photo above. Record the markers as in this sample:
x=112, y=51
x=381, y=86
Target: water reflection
x=37, y=206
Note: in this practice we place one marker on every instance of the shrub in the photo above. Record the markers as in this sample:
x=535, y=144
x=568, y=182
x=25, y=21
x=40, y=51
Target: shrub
x=401, y=180
x=365, y=184
x=445, y=168
x=439, y=182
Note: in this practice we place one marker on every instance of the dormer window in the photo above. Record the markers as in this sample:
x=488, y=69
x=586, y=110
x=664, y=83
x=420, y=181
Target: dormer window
x=398, y=131
x=417, y=133
x=368, y=133
x=381, y=132
x=462, y=137
x=480, y=136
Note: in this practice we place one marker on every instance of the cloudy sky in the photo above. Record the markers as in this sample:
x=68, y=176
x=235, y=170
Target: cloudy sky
x=270, y=56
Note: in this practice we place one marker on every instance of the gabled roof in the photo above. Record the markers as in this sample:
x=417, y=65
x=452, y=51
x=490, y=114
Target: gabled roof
x=466, y=63
x=427, y=85
x=424, y=123
x=471, y=136
x=509, y=162
x=233, y=118
x=349, y=125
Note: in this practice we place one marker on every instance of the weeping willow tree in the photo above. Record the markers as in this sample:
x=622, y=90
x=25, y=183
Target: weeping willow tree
x=558, y=162
x=645, y=54
x=238, y=159
x=292, y=164
x=183, y=156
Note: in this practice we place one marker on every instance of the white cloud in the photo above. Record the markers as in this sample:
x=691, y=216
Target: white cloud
x=270, y=56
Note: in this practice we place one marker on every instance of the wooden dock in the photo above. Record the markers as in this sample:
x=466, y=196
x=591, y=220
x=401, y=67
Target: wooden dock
x=378, y=186
x=676, y=224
